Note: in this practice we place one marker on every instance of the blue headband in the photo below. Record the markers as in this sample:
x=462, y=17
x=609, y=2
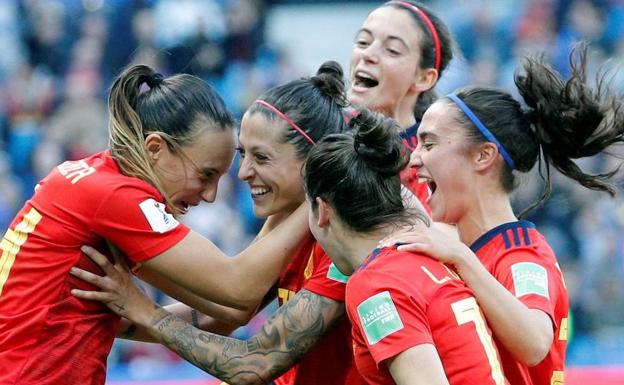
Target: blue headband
x=487, y=133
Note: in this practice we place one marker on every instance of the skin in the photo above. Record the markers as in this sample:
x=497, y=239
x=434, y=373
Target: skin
x=468, y=193
x=387, y=49
x=267, y=164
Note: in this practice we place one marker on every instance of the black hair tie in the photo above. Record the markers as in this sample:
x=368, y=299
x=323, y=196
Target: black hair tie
x=154, y=80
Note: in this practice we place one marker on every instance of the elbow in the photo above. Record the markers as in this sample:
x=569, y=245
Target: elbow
x=536, y=353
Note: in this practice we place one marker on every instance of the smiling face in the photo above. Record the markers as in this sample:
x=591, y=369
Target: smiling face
x=191, y=177
x=269, y=166
x=385, y=61
x=443, y=158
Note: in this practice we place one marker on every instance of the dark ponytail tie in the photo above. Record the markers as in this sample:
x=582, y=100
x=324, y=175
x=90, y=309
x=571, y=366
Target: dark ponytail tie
x=154, y=80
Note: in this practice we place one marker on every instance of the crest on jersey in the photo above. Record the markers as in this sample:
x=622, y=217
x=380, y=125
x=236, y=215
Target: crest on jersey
x=529, y=278
x=379, y=317
x=157, y=217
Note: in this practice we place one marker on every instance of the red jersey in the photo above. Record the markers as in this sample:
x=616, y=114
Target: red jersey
x=397, y=300
x=409, y=175
x=48, y=336
x=517, y=255
x=330, y=361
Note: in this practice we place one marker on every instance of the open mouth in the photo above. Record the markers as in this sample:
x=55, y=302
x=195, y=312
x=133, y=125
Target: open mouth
x=259, y=191
x=364, y=80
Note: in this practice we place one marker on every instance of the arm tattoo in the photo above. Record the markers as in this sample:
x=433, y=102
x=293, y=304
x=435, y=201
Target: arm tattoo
x=129, y=332
x=284, y=339
x=194, y=319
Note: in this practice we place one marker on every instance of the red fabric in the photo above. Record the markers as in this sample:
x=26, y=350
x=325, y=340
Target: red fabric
x=330, y=362
x=47, y=336
x=422, y=291
x=519, y=242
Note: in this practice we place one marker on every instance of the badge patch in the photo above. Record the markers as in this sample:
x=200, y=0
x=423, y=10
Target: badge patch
x=530, y=278
x=334, y=274
x=159, y=219
x=379, y=317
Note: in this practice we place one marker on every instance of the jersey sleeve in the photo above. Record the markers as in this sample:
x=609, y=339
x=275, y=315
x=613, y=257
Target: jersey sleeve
x=326, y=279
x=389, y=319
x=531, y=278
x=137, y=222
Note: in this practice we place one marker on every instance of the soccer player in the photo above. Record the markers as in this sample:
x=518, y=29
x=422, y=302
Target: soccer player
x=169, y=146
x=307, y=341
x=470, y=144
x=414, y=321
x=399, y=54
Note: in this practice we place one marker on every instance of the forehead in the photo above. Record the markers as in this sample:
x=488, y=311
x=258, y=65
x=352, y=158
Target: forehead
x=212, y=149
x=391, y=21
x=258, y=130
x=440, y=120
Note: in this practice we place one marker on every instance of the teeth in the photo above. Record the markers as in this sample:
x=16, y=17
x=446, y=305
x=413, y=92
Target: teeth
x=364, y=75
x=259, y=191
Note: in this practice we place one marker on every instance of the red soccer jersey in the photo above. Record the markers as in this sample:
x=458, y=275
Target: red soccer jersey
x=47, y=336
x=398, y=300
x=330, y=361
x=517, y=255
x=409, y=175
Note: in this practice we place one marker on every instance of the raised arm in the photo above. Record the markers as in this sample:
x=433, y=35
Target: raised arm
x=526, y=333
x=241, y=282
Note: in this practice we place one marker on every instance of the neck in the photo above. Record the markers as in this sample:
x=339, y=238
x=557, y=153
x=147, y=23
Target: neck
x=354, y=247
x=486, y=212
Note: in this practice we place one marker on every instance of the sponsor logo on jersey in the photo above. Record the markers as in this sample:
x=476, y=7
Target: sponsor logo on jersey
x=529, y=278
x=157, y=217
x=379, y=317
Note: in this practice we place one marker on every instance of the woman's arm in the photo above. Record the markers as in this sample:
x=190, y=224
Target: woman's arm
x=418, y=365
x=241, y=282
x=131, y=331
x=292, y=331
x=526, y=333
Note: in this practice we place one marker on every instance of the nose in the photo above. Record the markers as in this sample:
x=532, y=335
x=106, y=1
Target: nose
x=415, y=158
x=245, y=171
x=209, y=194
x=370, y=54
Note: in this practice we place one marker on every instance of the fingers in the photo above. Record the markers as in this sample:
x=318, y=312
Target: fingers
x=98, y=258
x=91, y=278
x=119, y=257
x=101, y=296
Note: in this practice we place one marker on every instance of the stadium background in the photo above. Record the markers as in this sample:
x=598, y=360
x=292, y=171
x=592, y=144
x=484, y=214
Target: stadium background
x=59, y=57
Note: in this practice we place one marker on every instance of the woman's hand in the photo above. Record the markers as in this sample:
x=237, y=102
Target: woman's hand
x=437, y=242
x=118, y=291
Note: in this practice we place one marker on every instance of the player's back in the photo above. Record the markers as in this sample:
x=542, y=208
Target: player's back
x=397, y=300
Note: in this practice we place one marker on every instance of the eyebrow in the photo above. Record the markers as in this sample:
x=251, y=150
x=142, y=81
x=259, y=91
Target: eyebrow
x=389, y=37
x=427, y=134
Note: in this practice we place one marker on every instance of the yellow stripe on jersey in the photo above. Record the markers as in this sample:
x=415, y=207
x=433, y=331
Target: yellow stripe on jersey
x=563, y=330
x=557, y=378
x=13, y=241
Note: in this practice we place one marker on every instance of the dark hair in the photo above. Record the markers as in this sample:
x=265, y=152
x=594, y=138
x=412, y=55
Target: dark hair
x=176, y=107
x=427, y=50
x=565, y=120
x=357, y=173
x=314, y=104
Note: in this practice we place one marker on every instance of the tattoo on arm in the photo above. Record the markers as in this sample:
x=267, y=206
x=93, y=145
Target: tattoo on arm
x=129, y=332
x=194, y=319
x=283, y=340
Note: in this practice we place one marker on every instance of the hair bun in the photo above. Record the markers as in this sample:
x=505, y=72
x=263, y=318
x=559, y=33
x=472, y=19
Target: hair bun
x=329, y=80
x=376, y=140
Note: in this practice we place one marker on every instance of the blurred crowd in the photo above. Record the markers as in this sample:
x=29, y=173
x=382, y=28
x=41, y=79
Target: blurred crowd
x=60, y=56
